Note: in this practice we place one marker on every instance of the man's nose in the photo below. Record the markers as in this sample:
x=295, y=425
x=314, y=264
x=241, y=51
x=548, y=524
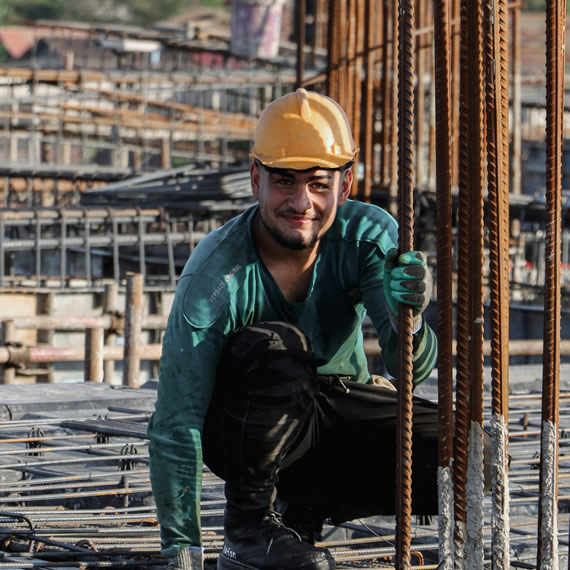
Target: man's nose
x=300, y=198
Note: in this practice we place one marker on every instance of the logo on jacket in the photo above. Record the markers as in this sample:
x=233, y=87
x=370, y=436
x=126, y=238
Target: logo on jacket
x=222, y=284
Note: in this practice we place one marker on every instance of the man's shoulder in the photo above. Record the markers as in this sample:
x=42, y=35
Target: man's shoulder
x=221, y=245
x=359, y=221
x=214, y=271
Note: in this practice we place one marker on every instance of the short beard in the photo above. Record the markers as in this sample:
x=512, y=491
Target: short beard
x=283, y=241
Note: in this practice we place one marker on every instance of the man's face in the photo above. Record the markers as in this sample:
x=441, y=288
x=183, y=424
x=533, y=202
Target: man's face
x=297, y=208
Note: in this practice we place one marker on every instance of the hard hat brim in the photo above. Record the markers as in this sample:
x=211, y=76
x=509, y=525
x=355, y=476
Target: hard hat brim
x=305, y=163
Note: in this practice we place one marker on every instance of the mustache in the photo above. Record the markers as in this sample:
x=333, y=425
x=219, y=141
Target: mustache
x=293, y=212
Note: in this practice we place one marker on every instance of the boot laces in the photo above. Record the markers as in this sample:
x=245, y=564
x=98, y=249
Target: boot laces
x=273, y=522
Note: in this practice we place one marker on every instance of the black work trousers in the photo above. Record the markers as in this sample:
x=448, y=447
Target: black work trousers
x=275, y=427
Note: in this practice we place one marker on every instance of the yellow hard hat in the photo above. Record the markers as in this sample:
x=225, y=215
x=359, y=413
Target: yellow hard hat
x=303, y=130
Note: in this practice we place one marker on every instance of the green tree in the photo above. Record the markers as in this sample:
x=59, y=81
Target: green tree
x=147, y=12
x=141, y=12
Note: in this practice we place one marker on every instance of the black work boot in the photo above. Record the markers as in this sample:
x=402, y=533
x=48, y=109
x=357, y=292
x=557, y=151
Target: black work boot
x=302, y=518
x=254, y=543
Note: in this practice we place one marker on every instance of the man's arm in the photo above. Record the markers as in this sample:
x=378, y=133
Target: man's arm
x=187, y=376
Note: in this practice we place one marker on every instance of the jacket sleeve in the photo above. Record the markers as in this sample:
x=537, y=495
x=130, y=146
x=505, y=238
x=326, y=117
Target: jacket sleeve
x=188, y=369
x=372, y=289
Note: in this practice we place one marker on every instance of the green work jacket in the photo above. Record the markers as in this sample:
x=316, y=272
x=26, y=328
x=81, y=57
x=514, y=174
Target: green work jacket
x=224, y=287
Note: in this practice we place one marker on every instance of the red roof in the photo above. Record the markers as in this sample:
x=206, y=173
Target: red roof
x=17, y=40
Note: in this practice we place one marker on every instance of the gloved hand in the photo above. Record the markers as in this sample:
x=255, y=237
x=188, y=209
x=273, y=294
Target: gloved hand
x=191, y=558
x=407, y=279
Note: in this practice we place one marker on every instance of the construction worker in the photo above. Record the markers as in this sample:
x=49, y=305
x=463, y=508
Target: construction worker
x=263, y=373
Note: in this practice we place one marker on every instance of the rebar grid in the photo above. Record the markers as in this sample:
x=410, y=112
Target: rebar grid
x=127, y=533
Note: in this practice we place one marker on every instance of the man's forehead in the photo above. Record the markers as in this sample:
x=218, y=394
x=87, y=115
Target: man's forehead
x=310, y=173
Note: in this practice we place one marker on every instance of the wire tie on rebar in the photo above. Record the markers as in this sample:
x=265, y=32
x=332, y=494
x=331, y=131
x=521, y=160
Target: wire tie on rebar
x=35, y=432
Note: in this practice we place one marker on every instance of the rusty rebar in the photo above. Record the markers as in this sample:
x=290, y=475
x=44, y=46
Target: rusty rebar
x=444, y=276
x=406, y=243
x=385, y=87
x=300, y=29
x=355, y=82
x=367, y=149
x=496, y=14
x=516, y=97
x=394, y=82
x=469, y=392
x=548, y=504
x=455, y=30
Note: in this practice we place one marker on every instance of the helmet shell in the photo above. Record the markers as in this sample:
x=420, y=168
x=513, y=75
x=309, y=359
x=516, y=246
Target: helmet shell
x=303, y=130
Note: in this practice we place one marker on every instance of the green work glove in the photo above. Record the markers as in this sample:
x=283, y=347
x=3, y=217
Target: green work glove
x=191, y=558
x=407, y=279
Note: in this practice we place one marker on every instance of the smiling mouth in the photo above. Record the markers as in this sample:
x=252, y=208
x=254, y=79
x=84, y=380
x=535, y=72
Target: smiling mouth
x=298, y=218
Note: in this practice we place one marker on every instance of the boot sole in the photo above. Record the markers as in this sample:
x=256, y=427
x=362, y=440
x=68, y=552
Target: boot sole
x=225, y=563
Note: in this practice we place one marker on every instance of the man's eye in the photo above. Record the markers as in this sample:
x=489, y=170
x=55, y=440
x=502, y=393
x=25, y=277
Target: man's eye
x=320, y=187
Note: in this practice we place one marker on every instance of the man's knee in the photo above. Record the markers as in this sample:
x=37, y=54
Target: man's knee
x=272, y=361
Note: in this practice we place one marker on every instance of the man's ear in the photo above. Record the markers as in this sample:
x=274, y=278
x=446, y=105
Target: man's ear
x=345, y=186
x=254, y=177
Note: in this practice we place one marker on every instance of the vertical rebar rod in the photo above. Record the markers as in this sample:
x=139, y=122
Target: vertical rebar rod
x=332, y=70
x=406, y=242
x=496, y=68
x=356, y=81
x=351, y=48
x=516, y=88
x=133, y=325
x=455, y=30
x=394, y=82
x=420, y=48
x=469, y=394
x=444, y=281
x=343, y=48
x=300, y=23
x=385, y=89
x=548, y=503
x=368, y=122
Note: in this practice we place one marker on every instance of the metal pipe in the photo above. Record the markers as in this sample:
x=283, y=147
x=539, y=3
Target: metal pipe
x=94, y=355
x=8, y=338
x=108, y=321
x=13, y=355
x=133, y=320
